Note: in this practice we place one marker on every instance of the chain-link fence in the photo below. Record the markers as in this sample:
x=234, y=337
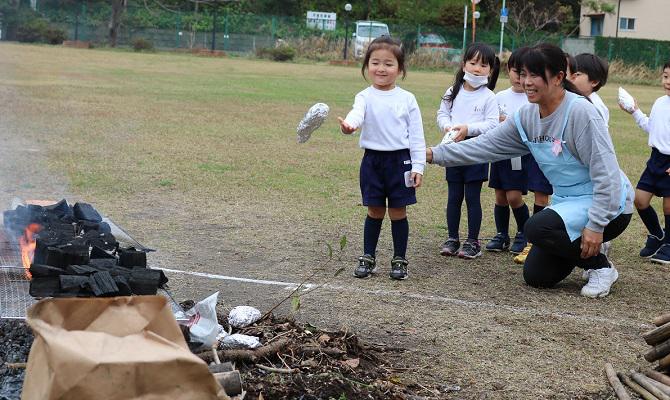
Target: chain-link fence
x=224, y=29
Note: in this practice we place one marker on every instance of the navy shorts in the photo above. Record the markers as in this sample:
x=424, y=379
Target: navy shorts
x=503, y=177
x=537, y=182
x=654, y=179
x=468, y=173
x=382, y=177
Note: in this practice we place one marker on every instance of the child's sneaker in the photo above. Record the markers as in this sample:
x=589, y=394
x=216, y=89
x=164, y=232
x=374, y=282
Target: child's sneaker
x=366, y=266
x=519, y=243
x=398, y=268
x=521, y=257
x=471, y=249
x=652, y=246
x=600, y=282
x=662, y=256
x=500, y=242
x=450, y=247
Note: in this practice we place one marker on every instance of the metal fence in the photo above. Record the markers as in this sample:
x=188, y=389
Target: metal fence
x=224, y=29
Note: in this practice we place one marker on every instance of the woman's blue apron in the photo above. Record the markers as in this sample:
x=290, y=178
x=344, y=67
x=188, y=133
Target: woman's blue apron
x=573, y=189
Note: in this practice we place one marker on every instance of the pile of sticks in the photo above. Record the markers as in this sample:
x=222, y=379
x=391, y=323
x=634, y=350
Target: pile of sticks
x=650, y=384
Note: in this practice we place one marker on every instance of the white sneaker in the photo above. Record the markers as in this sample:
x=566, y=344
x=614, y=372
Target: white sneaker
x=600, y=282
x=585, y=274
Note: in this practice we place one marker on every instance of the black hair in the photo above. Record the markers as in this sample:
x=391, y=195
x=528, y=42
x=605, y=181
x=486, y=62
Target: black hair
x=572, y=64
x=595, y=67
x=666, y=65
x=514, y=60
x=390, y=44
x=481, y=51
x=549, y=59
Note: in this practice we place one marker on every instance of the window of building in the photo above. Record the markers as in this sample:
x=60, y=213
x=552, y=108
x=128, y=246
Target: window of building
x=627, y=24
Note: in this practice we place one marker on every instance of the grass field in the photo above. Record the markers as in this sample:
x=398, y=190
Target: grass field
x=198, y=158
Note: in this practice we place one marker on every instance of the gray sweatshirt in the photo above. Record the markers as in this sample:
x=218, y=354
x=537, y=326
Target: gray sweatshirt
x=585, y=136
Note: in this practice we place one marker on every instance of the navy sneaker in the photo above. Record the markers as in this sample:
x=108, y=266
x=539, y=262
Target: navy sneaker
x=519, y=243
x=652, y=246
x=662, y=256
x=500, y=242
x=471, y=249
x=366, y=266
x=398, y=268
x=450, y=247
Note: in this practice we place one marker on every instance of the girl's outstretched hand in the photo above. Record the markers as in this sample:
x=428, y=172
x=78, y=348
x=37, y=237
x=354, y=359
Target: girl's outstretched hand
x=346, y=128
x=462, y=132
x=417, y=178
x=630, y=112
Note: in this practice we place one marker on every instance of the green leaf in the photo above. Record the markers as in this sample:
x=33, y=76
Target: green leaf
x=330, y=250
x=295, y=303
x=343, y=242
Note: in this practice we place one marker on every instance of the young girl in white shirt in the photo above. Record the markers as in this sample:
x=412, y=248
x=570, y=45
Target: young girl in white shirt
x=655, y=180
x=468, y=109
x=509, y=178
x=395, y=153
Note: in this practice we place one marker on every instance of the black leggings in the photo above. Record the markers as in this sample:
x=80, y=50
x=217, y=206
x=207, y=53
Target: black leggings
x=553, y=256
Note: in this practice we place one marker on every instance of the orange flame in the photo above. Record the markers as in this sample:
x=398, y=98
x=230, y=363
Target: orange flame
x=27, y=244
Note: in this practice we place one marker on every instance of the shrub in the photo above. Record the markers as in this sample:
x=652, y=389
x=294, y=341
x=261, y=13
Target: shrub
x=39, y=30
x=141, y=44
x=54, y=35
x=281, y=53
x=32, y=30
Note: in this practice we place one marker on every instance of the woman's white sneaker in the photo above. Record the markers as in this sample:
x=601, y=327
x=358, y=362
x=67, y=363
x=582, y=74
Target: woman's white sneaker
x=600, y=282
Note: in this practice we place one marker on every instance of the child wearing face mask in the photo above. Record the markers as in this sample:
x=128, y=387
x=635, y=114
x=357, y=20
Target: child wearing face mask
x=468, y=109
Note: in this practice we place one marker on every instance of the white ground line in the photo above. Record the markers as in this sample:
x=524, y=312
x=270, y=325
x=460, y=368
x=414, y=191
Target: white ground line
x=424, y=297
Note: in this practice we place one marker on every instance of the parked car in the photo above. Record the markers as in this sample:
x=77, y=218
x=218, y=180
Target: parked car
x=367, y=31
x=433, y=41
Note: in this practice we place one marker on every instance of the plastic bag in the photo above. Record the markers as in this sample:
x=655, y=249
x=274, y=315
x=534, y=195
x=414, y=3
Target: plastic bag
x=449, y=137
x=626, y=101
x=203, y=325
x=312, y=121
x=239, y=341
x=242, y=316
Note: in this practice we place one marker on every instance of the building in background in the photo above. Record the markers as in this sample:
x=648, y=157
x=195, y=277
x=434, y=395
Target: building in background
x=637, y=19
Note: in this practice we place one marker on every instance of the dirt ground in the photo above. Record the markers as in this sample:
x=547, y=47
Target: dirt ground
x=471, y=324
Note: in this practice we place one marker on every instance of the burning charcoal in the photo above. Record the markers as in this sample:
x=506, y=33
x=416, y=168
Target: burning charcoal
x=123, y=285
x=146, y=281
x=86, y=212
x=41, y=249
x=103, y=284
x=39, y=270
x=102, y=262
x=60, y=209
x=97, y=252
x=63, y=256
x=105, y=228
x=87, y=226
x=55, y=257
x=70, y=282
x=132, y=258
x=80, y=269
x=106, y=241
x=68, y=219
x=44, y=286
x=75, y=254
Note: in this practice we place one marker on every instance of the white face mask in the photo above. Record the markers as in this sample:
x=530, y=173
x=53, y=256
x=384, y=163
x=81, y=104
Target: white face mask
x=474, y=80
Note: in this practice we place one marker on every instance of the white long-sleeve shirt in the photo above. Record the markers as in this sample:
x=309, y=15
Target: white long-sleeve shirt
x=601, y=107
x=657, y=125
x=477, y=109
x=509, y=101
x=390, y=120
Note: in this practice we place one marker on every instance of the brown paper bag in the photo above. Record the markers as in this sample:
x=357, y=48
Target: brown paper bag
x=112, y=348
